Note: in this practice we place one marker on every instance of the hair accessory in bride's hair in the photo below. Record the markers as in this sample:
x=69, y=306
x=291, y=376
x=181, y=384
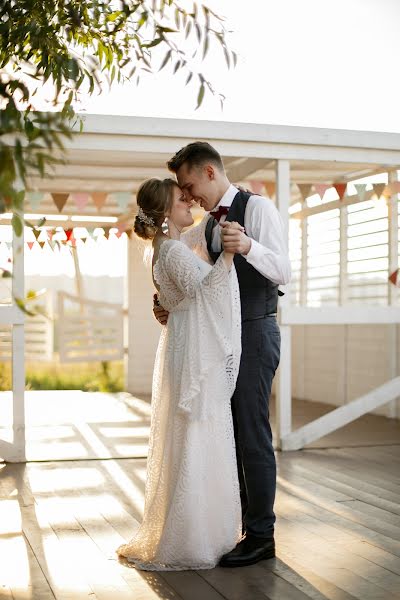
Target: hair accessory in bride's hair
x=145, y=218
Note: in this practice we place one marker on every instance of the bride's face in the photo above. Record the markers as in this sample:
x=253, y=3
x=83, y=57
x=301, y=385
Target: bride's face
x=180, y=212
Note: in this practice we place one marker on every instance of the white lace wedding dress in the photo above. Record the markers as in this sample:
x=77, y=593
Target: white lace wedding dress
x=192, y=511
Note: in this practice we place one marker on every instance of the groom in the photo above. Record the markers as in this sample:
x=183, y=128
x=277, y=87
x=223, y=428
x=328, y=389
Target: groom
x=262, y=263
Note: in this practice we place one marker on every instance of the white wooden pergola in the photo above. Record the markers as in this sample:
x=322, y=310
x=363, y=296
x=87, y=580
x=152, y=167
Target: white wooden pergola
x=116, y=153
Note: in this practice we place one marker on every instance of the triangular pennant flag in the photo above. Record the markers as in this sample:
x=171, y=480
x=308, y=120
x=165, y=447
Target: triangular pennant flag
x=36, y=232
x=34, y=199
x=90, y=231
x=395, y=278
x=122, y=199
x=321, y=188
x=99, y=199
x=59, y=200
x=81, y=199
x=340, y=188
x=305, y=189
x=378, y=188
x=69, y=233
x=256, y=186
x=83, y=240
x=395, y=187
x=270, y=186
x=361, y=187
x=30, y=245
x=106, y=232
x=41, y=244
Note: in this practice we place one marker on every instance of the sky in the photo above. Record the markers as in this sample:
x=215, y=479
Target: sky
x=319, y=63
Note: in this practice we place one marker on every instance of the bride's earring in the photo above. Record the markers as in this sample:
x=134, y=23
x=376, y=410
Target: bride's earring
x=164, y=226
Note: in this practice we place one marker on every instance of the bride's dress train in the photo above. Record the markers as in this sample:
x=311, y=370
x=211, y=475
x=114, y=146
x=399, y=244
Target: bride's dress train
x=192, y=511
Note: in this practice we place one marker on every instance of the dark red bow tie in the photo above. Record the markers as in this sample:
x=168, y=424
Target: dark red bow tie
x=221, y=210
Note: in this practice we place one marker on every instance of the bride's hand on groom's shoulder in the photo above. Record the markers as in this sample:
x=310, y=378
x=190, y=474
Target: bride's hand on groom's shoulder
x=234, y=238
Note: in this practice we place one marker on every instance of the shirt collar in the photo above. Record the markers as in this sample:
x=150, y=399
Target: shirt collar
x=228, y=197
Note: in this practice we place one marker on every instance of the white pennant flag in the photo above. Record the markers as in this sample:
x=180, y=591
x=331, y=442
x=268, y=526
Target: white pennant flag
x=361, y=187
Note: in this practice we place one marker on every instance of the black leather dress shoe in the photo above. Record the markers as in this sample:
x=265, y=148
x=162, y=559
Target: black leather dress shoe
x=250, y=550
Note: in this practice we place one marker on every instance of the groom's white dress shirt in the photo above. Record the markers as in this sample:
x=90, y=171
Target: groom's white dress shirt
x=264, y=226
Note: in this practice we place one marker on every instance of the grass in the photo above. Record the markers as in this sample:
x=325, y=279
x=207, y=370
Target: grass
x=88, y=377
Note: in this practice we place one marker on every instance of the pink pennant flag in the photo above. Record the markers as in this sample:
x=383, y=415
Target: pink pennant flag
x=256, y=186
x=395, y=187
x=59, y=200
x=340, y=188
x=30, y=245
x=305, y=189
x=378, y=189
x=81, y=199
x=99, y=199
x=321, y=188
x=270, y=186
x=361, y=187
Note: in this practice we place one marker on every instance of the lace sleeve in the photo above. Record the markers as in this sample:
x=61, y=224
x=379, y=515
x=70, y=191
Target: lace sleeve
x=182, y=268
x=195, y=239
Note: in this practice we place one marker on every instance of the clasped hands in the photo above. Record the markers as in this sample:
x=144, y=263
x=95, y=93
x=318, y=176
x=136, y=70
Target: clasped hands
x=234, y=240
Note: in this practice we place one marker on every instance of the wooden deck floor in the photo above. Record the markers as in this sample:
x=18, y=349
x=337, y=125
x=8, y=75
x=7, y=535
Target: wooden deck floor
x=338, y=529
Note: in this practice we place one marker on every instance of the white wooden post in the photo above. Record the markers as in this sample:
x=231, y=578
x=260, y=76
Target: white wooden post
x=393, y=218
x=284, y=387
x=18, y=355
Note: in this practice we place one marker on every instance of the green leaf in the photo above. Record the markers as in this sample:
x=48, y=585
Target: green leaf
x=200, y=95
x=165, y=60
x=17, y=225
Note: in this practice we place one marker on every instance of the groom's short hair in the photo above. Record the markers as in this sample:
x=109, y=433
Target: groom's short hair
x=195, y=154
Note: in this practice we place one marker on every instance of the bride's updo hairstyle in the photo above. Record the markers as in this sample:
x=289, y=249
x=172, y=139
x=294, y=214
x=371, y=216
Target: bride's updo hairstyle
x=154, y=198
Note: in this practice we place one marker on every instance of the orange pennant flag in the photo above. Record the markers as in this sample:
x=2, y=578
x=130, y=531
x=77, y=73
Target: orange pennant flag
x=60, y=200
x=340, y=188
x=394, y=278
x=41, y=244
x=99, y=199
x=270, y=186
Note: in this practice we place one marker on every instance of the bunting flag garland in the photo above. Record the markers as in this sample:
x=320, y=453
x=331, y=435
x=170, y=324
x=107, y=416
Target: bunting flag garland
x=378, y=188
x=30, y=245
x=321, y=188
x=60, y=200
x=395, y=278
x=340, y=188
x=34, y=199
x=99, y=199
x=122, y=199
x=394, y=187
x=361, y=187
x=81, y=200
x=305, y=189
x=270, y=186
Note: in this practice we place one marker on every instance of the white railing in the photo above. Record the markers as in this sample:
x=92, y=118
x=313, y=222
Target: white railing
x=89, y=330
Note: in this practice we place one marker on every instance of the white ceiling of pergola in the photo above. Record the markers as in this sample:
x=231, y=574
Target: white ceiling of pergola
x=116, y=153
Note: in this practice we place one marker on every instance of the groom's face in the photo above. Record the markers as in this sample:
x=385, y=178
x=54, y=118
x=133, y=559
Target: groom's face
x=199, y=184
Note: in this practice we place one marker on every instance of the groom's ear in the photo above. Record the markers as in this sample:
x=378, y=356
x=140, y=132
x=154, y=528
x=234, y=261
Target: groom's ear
x=210, y=172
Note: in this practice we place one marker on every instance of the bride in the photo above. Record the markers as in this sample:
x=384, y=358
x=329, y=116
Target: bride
x=192, y=513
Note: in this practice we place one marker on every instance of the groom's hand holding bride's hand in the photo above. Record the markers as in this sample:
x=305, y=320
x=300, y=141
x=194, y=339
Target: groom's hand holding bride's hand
x=234, y=238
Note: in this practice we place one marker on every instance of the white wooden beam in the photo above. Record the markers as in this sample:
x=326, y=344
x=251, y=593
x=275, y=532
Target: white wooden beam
x=18, y=354
x=339, y=315
x=245, y=168
x=342, y=415
x=284, y=383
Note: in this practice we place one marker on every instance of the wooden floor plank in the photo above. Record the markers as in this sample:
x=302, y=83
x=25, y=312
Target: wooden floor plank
x=328, y=561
